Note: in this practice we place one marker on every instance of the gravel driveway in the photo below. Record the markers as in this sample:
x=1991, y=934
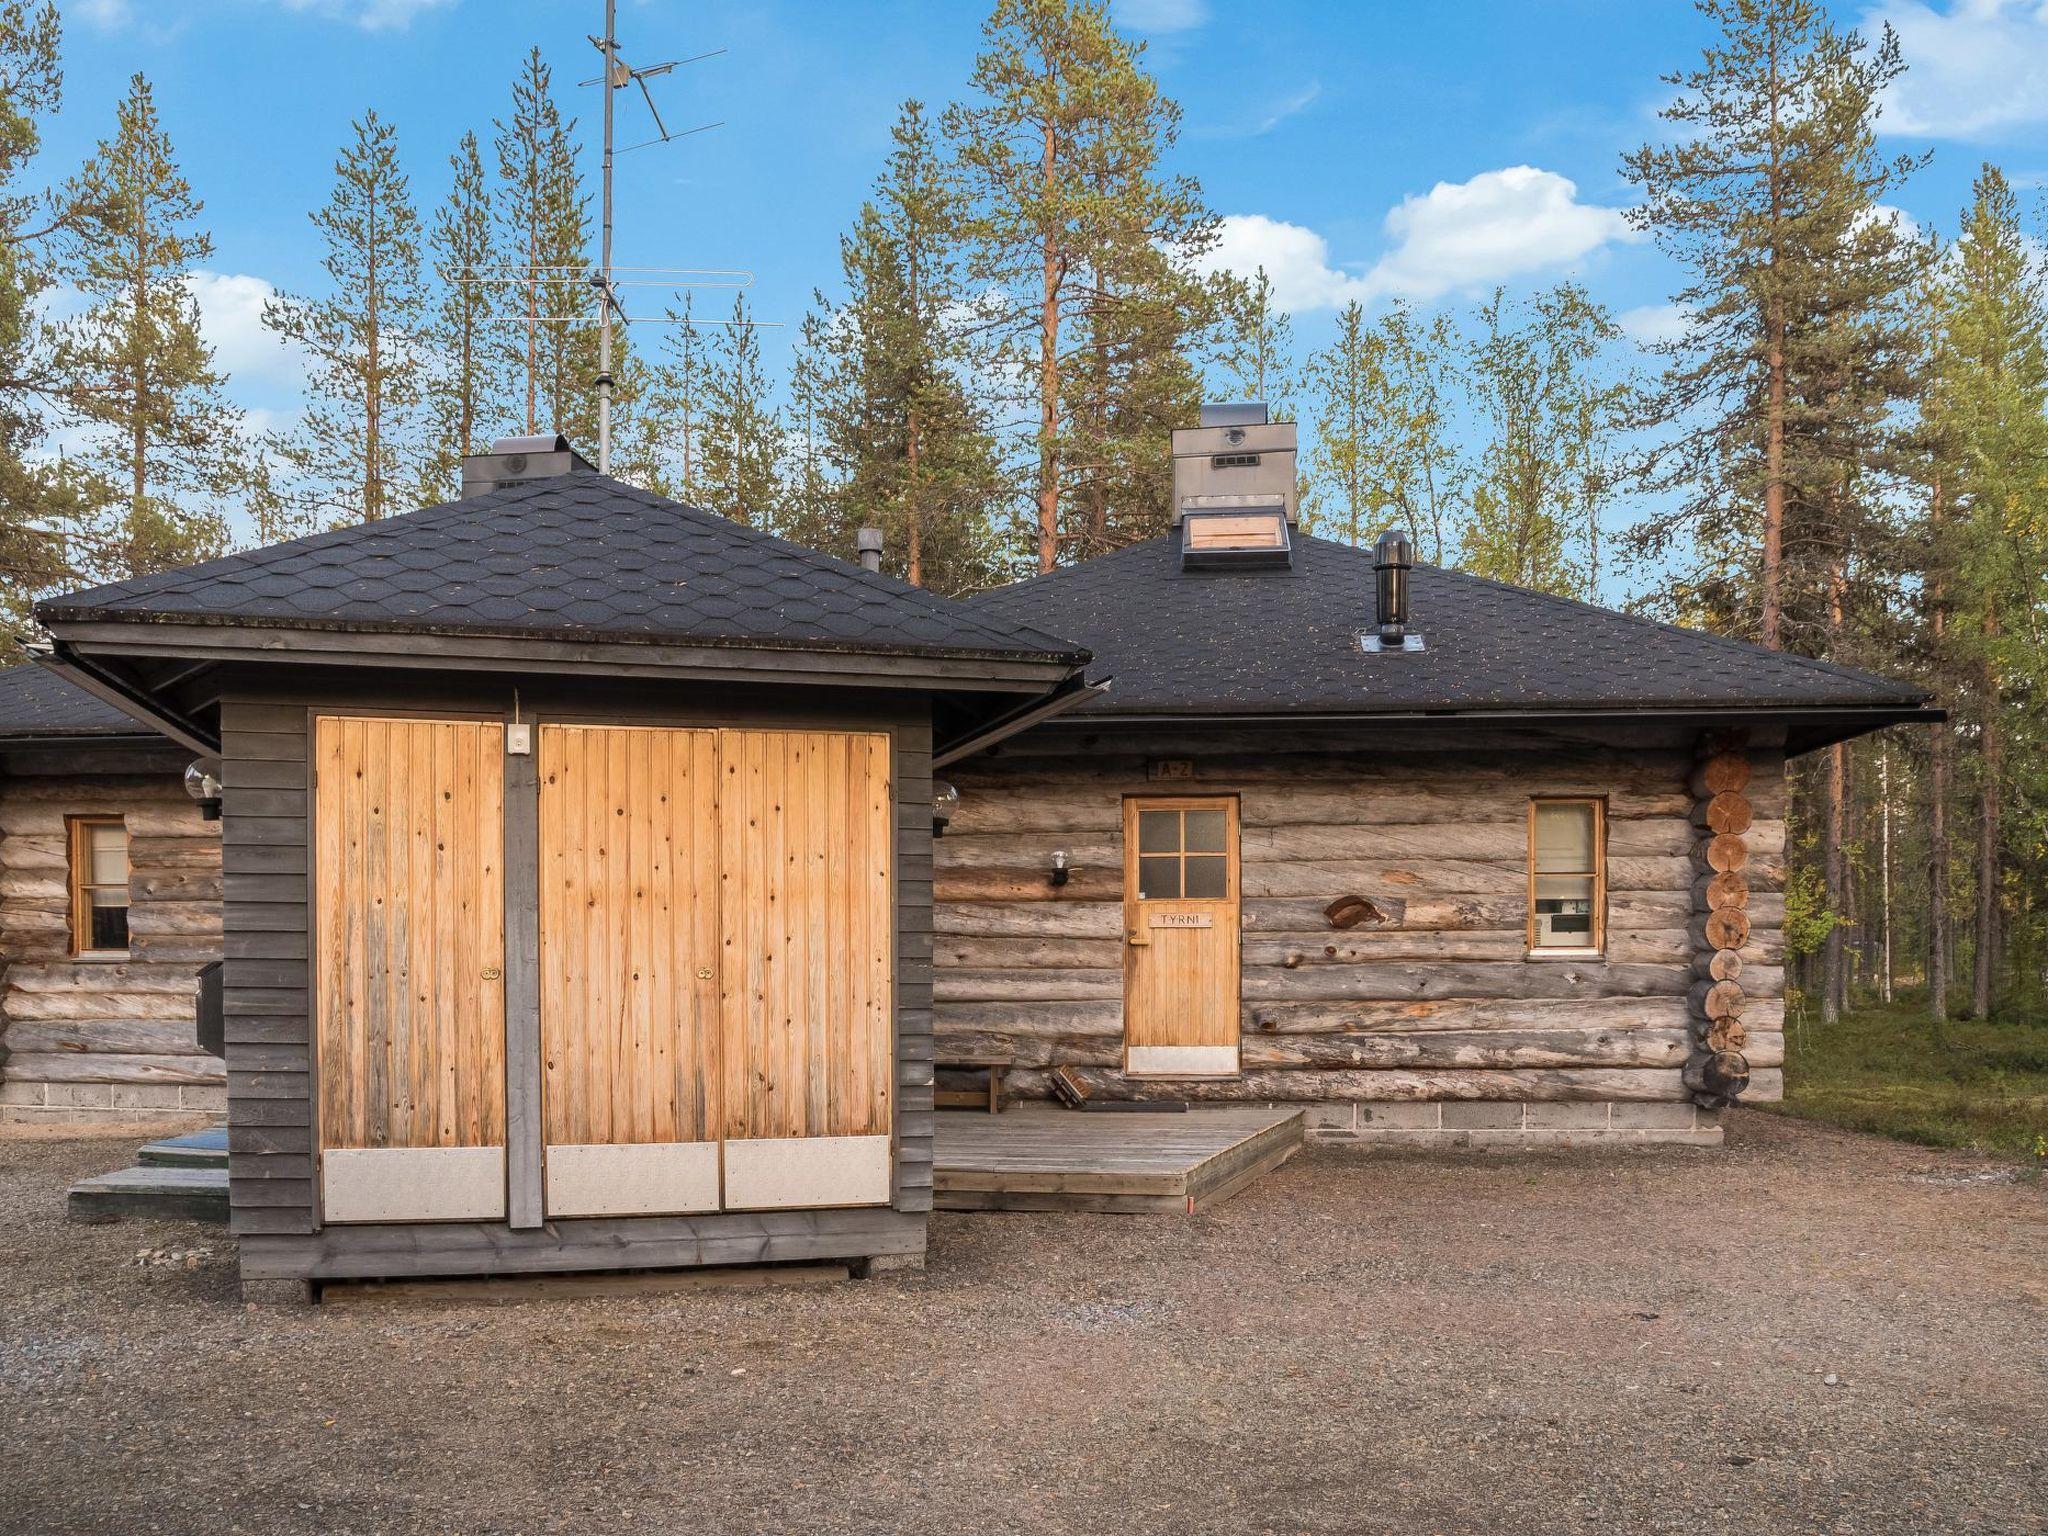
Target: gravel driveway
x=1805, y=1331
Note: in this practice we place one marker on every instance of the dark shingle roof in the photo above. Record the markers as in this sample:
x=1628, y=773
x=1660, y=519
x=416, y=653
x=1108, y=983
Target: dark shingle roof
x=577, y=556
x=1286, y=641
x=36, y=702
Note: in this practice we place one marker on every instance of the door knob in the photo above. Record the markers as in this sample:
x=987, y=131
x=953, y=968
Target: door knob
x=703, y=973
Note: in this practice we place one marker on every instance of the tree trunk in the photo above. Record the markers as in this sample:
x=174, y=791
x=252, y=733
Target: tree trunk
x=1833, y=947
x=1048, y=384
x=913, y=508
x=1884, y=868
x=1991, y=751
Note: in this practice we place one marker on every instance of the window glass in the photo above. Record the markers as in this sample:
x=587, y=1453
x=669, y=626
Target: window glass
x=1564, y=911
x=109, y=845
x=109, y=920
x=1206, y=831
x=1159, y=831
x=1564, y=838
x=99, y=886
x=1208, y=877
x=1158, y=878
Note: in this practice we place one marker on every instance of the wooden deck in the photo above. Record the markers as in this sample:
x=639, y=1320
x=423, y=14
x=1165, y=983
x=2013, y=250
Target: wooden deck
x=1046, y=1159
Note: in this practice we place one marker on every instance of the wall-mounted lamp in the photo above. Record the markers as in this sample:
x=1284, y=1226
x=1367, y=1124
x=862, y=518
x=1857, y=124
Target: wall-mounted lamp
x=945, y=801
x=202, y=783
x=1059, y=868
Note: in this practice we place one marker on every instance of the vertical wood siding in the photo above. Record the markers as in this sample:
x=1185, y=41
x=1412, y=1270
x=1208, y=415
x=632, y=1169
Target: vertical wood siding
x=408, y=848
x=115, y=1036
x=628, y=917
x=1433, y=999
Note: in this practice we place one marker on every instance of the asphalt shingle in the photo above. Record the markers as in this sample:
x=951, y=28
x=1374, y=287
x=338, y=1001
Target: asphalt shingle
x=1286, y=642
x=35, y=701
x=577, y=556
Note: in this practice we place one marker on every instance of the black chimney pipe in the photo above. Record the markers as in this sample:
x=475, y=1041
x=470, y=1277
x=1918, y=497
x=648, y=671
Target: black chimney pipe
x=1392, y=560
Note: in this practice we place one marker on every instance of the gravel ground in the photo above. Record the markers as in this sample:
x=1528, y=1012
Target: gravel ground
x=1806, y=1331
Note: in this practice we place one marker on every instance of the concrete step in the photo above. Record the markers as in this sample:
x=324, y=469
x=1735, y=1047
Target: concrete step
x=160, y=1194
x=201, y=1149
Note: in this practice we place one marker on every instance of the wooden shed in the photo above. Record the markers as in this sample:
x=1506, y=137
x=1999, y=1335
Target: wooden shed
x=576, y=848
x=1437, y=858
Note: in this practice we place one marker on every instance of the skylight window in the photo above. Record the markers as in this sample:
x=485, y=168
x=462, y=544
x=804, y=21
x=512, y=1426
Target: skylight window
x=1239, y=536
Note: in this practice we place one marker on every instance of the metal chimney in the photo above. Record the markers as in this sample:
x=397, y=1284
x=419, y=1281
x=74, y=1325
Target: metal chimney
x=869, y=543
x=1393, y=558
x=516, y=460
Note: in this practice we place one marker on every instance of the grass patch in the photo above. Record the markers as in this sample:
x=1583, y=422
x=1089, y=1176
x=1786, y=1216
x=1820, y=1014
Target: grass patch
x=1975, y=1084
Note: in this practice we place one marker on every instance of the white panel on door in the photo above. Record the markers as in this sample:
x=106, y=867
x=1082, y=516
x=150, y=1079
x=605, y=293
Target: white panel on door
x=785, y=1172
x=412, y=1184
x=1183, y=1061
x=673, y=1178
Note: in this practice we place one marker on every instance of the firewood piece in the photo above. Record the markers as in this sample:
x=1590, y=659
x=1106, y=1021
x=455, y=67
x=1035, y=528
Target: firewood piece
x=1723, y=773
x=1725, y=1035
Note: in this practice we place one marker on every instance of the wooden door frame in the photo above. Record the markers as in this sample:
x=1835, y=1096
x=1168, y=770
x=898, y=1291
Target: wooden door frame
x=1230, y=801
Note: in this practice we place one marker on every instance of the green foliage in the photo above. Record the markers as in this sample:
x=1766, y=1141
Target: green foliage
x=1257, y=352
x=1981, y=1085
x=1808, y=918
x=466, y=390
x=743, y=434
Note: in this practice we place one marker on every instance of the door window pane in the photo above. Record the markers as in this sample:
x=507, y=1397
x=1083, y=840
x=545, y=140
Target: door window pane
x=1564, y=838
x=1208, y=877
x=1564, y=911
x=1206, y=830
x=1159, y=831
x=1158, y=878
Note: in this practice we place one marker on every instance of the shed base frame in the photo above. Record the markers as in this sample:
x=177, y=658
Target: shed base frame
x=564, y=1246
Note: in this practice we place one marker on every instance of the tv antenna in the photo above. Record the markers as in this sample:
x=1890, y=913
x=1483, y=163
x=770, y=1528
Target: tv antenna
x=618, y=76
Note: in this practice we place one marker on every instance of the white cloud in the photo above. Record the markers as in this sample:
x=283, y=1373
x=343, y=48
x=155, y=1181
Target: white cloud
x=1649, y=325
x=1456, y=236
x=370, y=15
x=231, y=320
x=1162, y=15
x=1974, y=70
x=104, y=15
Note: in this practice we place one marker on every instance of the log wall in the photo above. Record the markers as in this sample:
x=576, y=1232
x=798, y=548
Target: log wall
x=1432, y=997
x=105, y=1039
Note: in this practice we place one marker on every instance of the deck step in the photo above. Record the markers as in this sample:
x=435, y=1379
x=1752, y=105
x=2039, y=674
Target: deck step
x=1046, y=1159
x=158, y=1194
x=201, y=1149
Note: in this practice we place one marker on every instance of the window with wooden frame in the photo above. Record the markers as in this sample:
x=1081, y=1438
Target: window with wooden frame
x=99, y=885
x=1567, y=876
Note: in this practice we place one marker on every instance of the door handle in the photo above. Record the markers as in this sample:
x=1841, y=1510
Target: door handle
x=1138, y=938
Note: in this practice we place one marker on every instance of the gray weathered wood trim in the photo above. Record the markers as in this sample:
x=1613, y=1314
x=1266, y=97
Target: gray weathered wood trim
x=522, y=991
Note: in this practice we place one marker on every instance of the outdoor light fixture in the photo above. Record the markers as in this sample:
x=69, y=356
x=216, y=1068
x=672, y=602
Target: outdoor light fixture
x=202, y=783
x=945, y=801
x=1059, y=868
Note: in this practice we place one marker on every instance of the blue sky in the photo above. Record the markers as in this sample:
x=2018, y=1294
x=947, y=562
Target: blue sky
x=1358, y=150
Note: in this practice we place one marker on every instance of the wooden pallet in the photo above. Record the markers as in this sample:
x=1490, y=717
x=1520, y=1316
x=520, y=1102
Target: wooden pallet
x=1044, y=1159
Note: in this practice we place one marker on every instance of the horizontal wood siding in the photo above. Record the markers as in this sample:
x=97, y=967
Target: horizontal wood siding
x=86, y=1036
x=1434, y=999
x=264, y=728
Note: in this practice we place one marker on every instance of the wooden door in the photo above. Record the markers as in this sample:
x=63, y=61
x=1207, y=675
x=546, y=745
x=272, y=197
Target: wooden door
x=628, y=970
x=408, y=991
x=806, y=901
x=1181, y=933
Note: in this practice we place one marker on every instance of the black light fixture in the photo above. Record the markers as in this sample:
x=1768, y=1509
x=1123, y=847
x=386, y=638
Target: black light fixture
x=1059, y=868
x=945, y=801
x=202, y=783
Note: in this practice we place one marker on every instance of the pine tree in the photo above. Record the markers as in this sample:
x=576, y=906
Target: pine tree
x=40, y=501
x=1988, y=397
x=1384, y=454
x=679, y=380
x=1257, y=355
x=1551, y=418
x=355, y=451
x=544, y=218
x=1772, y=168
x=466, y=398
x=144, y=387
x=743, y=436
x=1069, y=217
x=912, y=444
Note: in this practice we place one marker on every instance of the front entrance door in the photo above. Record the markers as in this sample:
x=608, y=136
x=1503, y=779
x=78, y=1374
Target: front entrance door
x=1181, y=937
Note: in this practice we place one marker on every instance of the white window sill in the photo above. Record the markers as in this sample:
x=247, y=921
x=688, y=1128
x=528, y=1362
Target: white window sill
x=102, y=956
x=1565, y=954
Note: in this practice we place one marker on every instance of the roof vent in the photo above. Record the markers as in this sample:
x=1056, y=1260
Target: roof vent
x=1234, y=489
x=516, y=460
x=1393, y=559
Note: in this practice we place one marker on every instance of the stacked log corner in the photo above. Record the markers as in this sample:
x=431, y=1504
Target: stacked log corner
x=1717, y=1066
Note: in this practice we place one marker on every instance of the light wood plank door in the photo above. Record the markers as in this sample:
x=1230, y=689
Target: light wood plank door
x=408, y=829
x=806, y=900
x=1181, y=937
x=629, y=946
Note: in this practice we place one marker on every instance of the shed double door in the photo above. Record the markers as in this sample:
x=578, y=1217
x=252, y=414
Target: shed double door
x=715, y=940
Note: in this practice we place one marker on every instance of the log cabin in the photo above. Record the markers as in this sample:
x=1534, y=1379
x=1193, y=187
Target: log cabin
x=109, y=904
x=1439, y=859
x=587, y=908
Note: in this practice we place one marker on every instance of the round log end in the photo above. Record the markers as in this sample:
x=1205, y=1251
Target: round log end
x=1726, y=1036
x=1729, y=812
x=1723, y=773
x=1726, y=853
x=1716, y=1077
